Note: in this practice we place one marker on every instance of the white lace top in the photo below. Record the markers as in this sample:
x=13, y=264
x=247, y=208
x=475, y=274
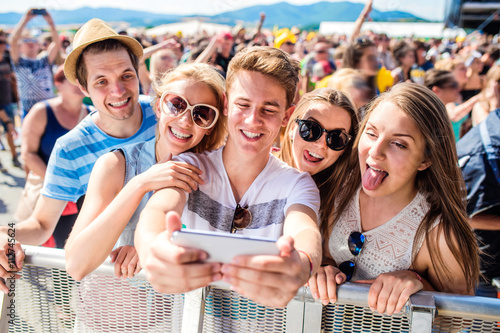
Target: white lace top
x=387, y=248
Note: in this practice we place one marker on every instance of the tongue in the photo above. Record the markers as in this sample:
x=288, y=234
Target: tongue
x=372, y=179
x=309, y=157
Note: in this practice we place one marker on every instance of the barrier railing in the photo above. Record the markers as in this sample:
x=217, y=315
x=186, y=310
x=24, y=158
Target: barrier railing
x=48, y=300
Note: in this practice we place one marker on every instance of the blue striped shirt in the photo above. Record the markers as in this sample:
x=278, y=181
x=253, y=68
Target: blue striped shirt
x=75, y=154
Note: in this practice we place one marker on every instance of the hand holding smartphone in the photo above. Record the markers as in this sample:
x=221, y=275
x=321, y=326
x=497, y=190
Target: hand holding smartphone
x=39, y=11
x=223, y=247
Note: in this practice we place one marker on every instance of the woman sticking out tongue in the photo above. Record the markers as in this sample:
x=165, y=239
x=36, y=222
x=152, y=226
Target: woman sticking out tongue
x=372, y=178
x=405, y=212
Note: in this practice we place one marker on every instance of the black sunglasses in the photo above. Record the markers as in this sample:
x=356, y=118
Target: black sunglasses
x=241, y=219
x=355, y=242
x=311, y=131
x=363, y=41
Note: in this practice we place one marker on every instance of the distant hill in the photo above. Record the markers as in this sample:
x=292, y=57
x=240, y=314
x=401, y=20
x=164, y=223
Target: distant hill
x=285, y=14
x=282, y=14
x=82, y=15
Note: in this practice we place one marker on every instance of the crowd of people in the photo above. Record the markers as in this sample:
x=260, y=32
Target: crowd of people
x=341, y=148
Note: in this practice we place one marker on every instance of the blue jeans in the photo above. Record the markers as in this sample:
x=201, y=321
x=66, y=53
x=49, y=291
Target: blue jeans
x=486, y=289
x=9, y=109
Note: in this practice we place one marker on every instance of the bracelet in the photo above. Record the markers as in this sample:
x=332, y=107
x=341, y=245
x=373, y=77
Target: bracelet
x=310, y=262
x=418, y=276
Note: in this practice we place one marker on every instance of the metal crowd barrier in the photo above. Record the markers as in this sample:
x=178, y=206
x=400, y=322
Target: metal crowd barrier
x=48, y=300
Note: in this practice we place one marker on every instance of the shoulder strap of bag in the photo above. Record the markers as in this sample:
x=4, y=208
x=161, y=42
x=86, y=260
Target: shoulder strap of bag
x=490, y=151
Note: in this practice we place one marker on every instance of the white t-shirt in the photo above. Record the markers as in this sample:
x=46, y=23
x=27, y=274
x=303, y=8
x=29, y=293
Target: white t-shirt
x=275, y=189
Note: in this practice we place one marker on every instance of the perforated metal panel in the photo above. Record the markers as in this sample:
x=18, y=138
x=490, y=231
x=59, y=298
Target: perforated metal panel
x=227, y=311
x=43, y=301
x=457, y=324
x=48, y=300
x=350, y=318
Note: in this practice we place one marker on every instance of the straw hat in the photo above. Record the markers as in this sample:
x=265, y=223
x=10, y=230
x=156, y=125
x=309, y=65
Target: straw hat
x=91, y=32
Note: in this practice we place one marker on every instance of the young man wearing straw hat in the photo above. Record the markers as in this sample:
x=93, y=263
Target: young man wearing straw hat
x=104, y=66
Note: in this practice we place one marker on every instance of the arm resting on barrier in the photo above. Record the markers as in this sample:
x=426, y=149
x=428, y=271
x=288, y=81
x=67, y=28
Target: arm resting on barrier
x=170, y=268
x=38, y=228
x=107, y=210
x=11, y=257
x=324, y=283
x=390, y=291
x=35, y=231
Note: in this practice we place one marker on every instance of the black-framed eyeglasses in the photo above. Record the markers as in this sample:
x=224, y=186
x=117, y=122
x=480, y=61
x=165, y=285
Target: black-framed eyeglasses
x=311, y=131
x=204, y=116
x=241, y=219
x=355, y=242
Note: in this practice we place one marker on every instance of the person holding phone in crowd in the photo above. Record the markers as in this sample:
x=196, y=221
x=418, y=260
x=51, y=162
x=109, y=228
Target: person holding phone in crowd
x=242, y=179
x=34, y=76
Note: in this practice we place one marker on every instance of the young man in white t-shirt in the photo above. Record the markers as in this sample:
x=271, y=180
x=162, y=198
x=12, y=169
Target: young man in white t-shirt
x=261, y=84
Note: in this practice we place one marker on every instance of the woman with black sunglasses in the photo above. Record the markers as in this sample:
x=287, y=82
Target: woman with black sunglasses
x=318, y=140
x=187, y=104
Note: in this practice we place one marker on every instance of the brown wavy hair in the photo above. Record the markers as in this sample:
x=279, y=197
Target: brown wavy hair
x=442, y=182
x=331, y=180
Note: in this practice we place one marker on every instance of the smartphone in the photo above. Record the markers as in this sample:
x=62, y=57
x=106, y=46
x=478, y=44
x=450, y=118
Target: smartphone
x=222, y=247
x=40, y=11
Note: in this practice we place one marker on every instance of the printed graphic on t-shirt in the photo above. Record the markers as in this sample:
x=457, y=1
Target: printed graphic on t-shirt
x=220, y=217
x=34, y=81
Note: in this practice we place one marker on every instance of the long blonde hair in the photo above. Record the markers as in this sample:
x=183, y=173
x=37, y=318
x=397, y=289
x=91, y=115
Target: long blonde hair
x=329, y=181
x=492, y=76
x=206, y=74
x=442, y=183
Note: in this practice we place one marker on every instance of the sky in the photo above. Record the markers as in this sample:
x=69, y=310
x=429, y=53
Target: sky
x=428, y=9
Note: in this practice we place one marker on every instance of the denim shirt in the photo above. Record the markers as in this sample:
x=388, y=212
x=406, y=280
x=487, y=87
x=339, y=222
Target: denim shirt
x=139, y=157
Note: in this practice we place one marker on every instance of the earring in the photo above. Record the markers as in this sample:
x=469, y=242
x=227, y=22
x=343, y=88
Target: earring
x=291, y=134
